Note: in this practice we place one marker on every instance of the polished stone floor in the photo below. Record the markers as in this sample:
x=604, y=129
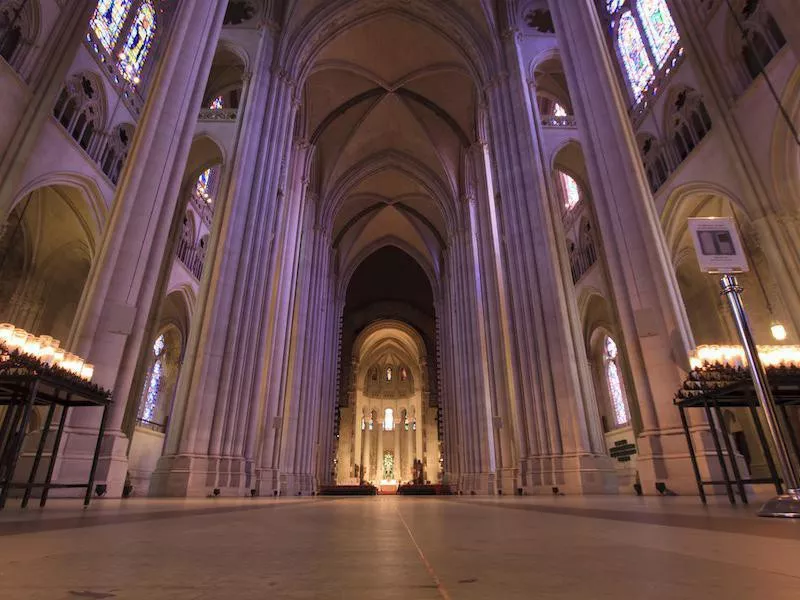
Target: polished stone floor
x=393, y=547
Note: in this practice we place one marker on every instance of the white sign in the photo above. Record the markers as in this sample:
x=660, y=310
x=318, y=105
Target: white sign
x=718, y=246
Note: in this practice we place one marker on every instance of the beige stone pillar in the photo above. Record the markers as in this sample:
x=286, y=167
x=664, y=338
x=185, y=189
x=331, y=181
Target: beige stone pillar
x=396, y=449
x=133, y=260
x=651, y=316
x=54, y=60
x=379, y=446
x=368, y=435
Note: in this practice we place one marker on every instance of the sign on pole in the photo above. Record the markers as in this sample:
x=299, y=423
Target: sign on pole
x=719, y=248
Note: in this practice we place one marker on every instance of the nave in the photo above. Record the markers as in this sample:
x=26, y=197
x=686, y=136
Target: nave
x=558, y=548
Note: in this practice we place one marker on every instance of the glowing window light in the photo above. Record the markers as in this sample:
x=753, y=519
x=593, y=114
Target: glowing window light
x=107, y=21
x=137, y=46
x=217, y=103
x=570, y=191
x=559, y=111
x=204, y=184
x=659, y=27
x=615, y=389
x=388, y=419
x=634, y=54
x=149, y=411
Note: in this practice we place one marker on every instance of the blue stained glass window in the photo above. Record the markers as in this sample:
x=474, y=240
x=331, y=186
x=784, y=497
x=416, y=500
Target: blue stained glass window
x=108, y=19
x=137, y=46
x=634, y=54
x=659, y=28
x=150, y=410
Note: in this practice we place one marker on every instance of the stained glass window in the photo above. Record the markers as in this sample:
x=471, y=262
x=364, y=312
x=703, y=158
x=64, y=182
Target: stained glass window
x=615, y=389
x=388, y=373
x=559, y=111
x=150, y=410
x=613, y=6
x=108, y=19
x=659, y=28
x=205, y=181
x=137, y=46
x=217, y=103
x=363, y=423
x=388, y=465
x=634, y=54
x=570, y=192
x=388, y=419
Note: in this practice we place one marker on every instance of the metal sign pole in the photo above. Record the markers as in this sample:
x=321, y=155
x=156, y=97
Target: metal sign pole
x=786, y=505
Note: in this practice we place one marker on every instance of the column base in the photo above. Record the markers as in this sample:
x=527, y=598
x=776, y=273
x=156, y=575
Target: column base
x=75, y=461
x=184, y=475
x=508, y=481
x=571, y=474
x=478, y=484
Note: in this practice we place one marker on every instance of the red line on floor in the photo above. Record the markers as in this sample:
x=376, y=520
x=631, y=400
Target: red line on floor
x=439, y=585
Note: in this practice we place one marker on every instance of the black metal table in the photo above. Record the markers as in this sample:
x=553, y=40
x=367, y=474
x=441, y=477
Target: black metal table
x=26, y=383
x=714, y=387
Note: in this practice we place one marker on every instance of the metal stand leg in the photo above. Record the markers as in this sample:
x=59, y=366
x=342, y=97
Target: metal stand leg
x=720, y=457
x=97, y=447
x=693, y=456
x=17, y=445
x=38, y=458
x=773, y=471
x=56, y=445
x=734, y=467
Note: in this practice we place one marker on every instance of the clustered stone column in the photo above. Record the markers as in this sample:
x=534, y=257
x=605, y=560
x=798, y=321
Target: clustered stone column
x=118, y=301
x=654, y=327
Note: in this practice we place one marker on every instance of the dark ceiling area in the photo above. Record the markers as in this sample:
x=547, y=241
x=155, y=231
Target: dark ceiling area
x=389, y=284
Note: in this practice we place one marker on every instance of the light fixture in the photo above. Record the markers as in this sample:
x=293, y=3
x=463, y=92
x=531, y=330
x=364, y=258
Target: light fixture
x=733, y=356
x=778, y=331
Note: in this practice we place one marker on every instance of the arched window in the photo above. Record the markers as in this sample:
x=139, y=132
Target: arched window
x=205, y=184
x=217, y=103
x=645, y=36
x=149, y=409
x=655, y=164
x=137, y=46
x=78, y=109
x=762, y=37
x=616, y=390
x=690, y=122
x=388, y=373
x=388, y=419
x=569, y=190
x=659, y=28
x=107, y=21
x=558, y=110
x=631, y=47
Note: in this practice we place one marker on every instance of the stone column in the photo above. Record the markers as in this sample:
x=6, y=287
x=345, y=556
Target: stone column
x=785, y=14
x=396, y=449
x=408, y=441
x=367, y=450
x=54, y=61
x=379, y=446
x=221, y=404
x=358, y=436
x=549, y=353
x=133, y=259
x=654, y=327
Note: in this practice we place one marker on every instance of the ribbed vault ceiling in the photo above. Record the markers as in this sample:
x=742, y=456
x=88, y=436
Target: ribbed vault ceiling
x=389, y=107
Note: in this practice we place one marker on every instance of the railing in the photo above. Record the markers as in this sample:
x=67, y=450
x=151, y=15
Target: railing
x=219, y=114
x=192, y=257
x=151, y=425
x=581, y=261
x=553, y=121
x=203, y=208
